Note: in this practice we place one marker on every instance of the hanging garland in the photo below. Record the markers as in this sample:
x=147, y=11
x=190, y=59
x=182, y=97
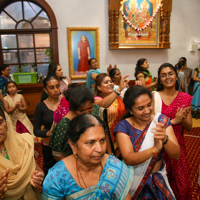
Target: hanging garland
x=138, y=30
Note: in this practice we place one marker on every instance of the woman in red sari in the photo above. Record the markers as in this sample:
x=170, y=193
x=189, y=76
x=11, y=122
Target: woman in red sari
x=175, y=105
x=83, y=54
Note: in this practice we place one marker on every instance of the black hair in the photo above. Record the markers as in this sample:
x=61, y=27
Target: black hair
x=132, y=94
x=68, y=91
x=180, y=64
x=80, y=124
x=183, y=58
x=47, y=79
x=78, y=95
x=139, y=68
x=2, y=113
x=52, y=69
x=9, y=83
x=3, y=67
x=89, y=62
x=112, y=72
x=160, y=87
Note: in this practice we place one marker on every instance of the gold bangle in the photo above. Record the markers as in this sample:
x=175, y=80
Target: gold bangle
x=154, y=153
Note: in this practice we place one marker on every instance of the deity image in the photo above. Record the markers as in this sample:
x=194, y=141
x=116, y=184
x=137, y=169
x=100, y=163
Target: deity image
x=139, y=13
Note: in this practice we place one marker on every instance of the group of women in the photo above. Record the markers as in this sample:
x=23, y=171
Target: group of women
x=81, y=142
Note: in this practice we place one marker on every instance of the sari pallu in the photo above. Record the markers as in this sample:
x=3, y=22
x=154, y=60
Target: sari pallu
x=114, y=183
x=89, y=80
x=114, y=114
x=145, y=184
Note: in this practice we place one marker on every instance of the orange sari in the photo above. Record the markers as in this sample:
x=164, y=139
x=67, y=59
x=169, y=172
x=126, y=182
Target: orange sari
x=114, y=113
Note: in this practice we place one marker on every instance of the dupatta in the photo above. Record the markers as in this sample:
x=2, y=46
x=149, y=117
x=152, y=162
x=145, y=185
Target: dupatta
x=20, y=149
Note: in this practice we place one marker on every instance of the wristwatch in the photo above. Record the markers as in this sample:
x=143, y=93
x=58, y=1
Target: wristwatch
x=117, y=93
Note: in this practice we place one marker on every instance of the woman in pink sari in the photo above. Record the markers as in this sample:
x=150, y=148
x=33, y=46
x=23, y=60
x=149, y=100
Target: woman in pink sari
x=175, y=105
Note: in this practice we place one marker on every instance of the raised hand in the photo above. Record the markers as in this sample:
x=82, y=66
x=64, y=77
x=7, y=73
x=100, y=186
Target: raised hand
x=123, y=83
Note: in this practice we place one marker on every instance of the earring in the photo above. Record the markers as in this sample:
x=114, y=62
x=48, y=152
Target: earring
x=75, y=156
x=100, y=90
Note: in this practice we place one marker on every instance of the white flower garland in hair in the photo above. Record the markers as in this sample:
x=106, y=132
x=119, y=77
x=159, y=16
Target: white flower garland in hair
x=147, y=25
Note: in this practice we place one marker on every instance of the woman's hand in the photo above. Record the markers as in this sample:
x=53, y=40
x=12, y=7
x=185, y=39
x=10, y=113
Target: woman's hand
x=137, y=82
x=123, y=83
x=3, y=182
x=180, y=113
x=48, y=133
x=36, y=179
x=159, y=135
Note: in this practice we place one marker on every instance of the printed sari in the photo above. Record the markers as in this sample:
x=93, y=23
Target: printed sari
x=115, y=113
x=147, y=185
x=114, y=183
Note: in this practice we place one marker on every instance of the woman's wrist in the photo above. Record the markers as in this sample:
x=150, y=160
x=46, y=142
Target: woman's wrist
x=155, y=151
x=117, y=92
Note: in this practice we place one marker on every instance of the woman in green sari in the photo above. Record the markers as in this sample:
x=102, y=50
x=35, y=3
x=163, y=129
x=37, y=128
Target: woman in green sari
x=81, y=101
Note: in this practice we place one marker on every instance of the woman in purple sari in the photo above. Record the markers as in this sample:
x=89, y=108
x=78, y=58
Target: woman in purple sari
x=142, y=138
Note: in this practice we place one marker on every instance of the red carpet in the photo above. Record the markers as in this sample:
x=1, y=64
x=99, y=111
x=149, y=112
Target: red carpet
x=192, y=140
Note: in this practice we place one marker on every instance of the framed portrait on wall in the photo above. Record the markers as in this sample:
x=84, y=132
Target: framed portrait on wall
x=83, y=44
x=135, y=24
x=138, y=26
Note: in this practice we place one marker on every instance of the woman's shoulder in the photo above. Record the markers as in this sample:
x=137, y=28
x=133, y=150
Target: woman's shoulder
x=63, y=122
x=98, y=97
x=117, y=164
x=184, y=95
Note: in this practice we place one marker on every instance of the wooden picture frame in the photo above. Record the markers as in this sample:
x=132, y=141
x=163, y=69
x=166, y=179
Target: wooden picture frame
x=160, y=25
x=83, y=43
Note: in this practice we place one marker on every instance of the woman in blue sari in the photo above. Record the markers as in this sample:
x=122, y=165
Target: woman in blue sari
x=88, y=173
x=141, y=141
x=195, y=104
x=4, y=79
x=92, y=73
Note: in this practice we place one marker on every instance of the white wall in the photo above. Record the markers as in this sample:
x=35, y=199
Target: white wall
x=94, y=13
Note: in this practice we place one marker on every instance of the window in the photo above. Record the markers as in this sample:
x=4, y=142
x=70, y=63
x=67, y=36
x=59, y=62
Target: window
x=26, y=34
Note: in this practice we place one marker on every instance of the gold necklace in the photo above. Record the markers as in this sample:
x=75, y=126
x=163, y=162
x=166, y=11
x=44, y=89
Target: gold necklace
x=78, y=171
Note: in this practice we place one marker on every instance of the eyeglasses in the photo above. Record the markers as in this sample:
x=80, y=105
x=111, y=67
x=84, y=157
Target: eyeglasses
x=170, y=74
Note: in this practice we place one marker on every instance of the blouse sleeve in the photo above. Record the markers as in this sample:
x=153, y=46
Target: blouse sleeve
x=52, y=185
x=58, y=139
x=38, y=119
x=121, y=127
